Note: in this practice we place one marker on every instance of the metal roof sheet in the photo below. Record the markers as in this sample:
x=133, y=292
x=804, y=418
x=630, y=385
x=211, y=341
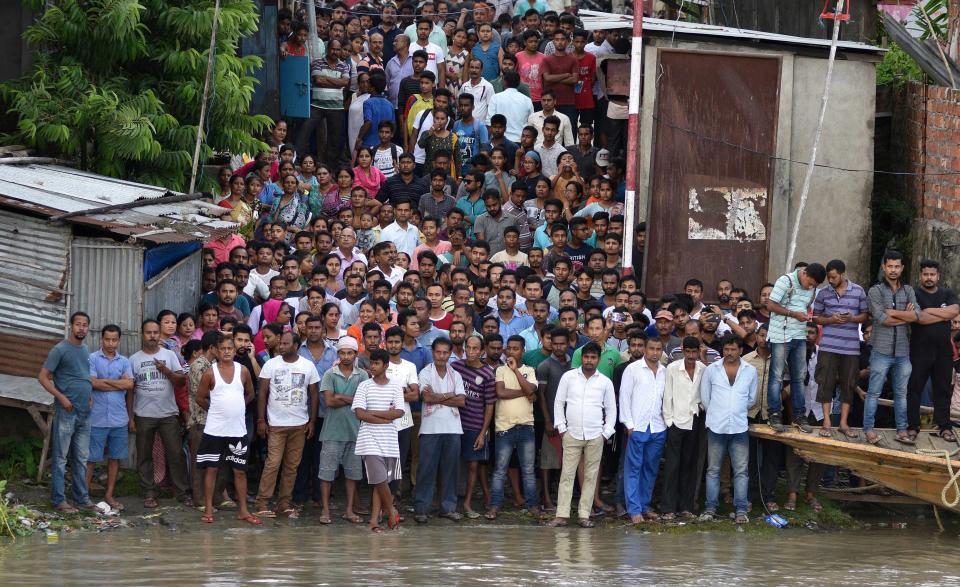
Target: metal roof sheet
x=593, y=20
x=52, y=189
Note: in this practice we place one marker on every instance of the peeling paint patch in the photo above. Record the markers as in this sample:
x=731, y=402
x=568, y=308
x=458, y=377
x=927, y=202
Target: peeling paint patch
x=727, y=213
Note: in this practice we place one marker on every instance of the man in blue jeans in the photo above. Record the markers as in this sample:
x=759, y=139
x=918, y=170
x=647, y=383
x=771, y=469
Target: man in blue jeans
x=516, y=392
x=66, y=376
x=440, y=433
x=789, y=305
x=893, y=305
x=727, y=390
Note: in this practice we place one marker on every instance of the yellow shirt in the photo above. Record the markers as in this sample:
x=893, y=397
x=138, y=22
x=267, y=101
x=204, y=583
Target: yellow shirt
x=516, y=411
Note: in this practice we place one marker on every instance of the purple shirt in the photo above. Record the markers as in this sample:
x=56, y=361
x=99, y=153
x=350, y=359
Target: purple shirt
x=842, y=339
x=480, y=385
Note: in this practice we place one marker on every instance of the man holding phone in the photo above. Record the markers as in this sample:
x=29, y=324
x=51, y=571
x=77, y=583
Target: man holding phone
x=840, y=308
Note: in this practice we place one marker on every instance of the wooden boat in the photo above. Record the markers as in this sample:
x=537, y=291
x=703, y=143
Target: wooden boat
x=904, y=468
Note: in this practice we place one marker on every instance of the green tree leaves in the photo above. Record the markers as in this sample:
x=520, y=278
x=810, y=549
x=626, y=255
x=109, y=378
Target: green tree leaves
x=117, y=85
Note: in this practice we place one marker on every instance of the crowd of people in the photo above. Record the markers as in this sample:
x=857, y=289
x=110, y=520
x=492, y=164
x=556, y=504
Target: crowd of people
x=437, y=304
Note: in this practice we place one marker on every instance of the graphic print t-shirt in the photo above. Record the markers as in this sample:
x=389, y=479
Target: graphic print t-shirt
x=287, y=403
x=153, y=395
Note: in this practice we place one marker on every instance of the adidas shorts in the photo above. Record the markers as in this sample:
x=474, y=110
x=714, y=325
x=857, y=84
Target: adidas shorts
x=214, y=450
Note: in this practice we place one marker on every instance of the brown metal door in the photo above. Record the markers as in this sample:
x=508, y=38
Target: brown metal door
x=714, y=128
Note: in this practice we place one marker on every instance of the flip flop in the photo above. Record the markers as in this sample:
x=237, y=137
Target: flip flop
x=207, y=518
x=791, y=505
x=826, y=432
x=741, y=518
x=267, y=514
x=471, y=514
x=115, y=505
x=150, y=502
x=227, y=504
x=352, y=518
x=904, y=439
x=852, y=434
x=491, y=515
x=871, y=440
x=325, y=520
x=814, y=504
x=772, y=506
x=376, y=529
x=251, y=519
x=948, y=435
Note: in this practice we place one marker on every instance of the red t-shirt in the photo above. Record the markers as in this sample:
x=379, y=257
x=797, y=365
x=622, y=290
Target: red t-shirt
x=443, y=323
x=531, y=72
x=586, y=73
x=561, y=63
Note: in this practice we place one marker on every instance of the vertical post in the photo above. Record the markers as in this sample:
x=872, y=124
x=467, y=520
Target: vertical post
x=313, y=45
x=633, y=136
x=206, y=94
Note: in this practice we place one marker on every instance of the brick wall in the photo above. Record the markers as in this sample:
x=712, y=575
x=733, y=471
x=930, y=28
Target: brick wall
x=926, y=139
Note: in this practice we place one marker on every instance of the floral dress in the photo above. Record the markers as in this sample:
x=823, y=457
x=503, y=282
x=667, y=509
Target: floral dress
x=296, y=212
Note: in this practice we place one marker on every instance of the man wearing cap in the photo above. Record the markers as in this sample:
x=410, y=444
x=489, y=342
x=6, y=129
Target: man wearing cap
x=339, y=433
x=664, y=330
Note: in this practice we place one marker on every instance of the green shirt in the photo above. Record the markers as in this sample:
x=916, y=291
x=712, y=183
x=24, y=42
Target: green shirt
x=534, y=357
x=340, y=423
x=609, y=359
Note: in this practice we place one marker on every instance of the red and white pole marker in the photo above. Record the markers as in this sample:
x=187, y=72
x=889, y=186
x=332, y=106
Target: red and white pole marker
x=633, y=137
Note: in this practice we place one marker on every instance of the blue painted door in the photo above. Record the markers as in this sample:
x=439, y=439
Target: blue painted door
x=295, y=87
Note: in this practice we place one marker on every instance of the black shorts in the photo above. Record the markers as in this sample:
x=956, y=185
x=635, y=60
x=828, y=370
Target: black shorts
x=835, y=370
x=216, y=449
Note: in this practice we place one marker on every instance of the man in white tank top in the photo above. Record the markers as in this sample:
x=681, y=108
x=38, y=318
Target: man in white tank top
x=225, y=390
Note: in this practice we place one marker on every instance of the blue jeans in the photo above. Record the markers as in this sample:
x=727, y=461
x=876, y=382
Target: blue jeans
x=71, y=440
x=793, y=352
x=880, y=364
x=738, y=447
x=521, y=439
x=640, y=468
x=439, y=454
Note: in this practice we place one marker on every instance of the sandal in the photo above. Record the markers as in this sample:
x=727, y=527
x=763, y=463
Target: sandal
x=556, y=523
x=66, y=508
x=947, y=434
x=251, y=519
x=904, y=438
x=826, y=432
x=491, y=514
x=651, y=516
x=791, y=504
x=772, y=506
x=207, y=518
x=814, y=504
x=227, y=504
x=871, y=437
x=587, y=523
x=115, y=504
x=376, y=529
x=470, y=514
x=395, y=521
x=668, y=517
x=267, y=514
x=325, y=520
x=352, y=518
x=741, y=518
x=150, y=503
x=852, y=434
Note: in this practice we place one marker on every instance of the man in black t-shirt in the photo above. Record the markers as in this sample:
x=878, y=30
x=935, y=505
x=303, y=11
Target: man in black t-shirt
x=931, y=353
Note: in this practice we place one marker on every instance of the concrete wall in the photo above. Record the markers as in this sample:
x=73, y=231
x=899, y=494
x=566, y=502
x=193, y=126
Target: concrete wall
x=836, y=220
x=14, y=19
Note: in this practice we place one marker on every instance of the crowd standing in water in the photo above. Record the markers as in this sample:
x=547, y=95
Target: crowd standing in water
x=435, y=304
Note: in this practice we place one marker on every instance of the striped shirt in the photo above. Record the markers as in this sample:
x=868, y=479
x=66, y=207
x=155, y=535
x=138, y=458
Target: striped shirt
x=841, y=339
x=788, y=292
x=378, y=439
x=481, y=389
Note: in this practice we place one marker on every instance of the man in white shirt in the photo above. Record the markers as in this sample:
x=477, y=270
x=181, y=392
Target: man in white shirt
x=258, y=280
x=481, y=90
x=286, y=419
x=514, y=106
x=681, y=414
x=406, y=236
x=585, y=412
x=641, y=412
x=435, y=53
x=565, y=134
x=440, y=432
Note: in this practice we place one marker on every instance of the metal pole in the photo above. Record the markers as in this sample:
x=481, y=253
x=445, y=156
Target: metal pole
x=313, y=46
x=816, y=137
x=206, y=94
x=633, y=136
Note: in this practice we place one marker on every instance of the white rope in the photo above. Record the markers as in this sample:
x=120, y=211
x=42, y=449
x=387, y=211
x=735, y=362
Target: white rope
x=816, y=139
x=952, y=483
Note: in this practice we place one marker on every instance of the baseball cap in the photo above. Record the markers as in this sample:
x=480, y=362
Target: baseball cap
x=603, y=157
x=664, y=315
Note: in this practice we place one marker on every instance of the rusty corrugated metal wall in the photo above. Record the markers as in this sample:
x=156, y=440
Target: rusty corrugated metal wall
x=714, y=125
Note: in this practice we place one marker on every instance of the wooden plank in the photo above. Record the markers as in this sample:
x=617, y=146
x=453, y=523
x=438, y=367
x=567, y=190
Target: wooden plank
x=871, y=498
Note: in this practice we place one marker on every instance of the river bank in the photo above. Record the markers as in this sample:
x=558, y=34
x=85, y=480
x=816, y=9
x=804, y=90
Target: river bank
x=29, y=512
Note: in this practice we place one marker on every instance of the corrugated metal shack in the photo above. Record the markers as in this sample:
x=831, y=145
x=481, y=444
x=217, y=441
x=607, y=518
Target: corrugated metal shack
x=118, y=266
x=727, y=124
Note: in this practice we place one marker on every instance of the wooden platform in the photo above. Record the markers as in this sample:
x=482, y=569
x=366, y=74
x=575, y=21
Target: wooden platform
x=889, y=463
x=26, y=393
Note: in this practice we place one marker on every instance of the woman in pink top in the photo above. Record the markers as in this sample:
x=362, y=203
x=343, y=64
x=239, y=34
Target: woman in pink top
x=366, y=175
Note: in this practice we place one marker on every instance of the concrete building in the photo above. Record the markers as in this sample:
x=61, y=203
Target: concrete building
x=727, y=124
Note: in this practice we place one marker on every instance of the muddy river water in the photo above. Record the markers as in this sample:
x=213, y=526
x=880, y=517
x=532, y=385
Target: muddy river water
x=443, y=554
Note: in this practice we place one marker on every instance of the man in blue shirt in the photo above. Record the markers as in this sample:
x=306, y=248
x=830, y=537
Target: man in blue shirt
x=471, y=133
x=376, y=109
x=112, y=378
x=511, y=322
x=727, y=390
x=66, y=376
